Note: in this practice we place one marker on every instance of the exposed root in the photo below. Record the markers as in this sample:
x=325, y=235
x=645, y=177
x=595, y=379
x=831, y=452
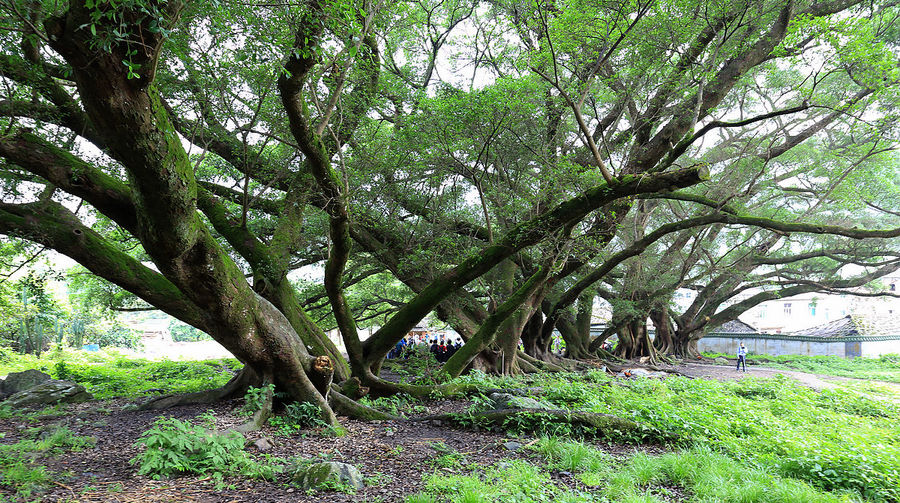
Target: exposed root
x=236, y=387
x=261, y=416
x=351, y=408
x=594, y=423
x=354, y=389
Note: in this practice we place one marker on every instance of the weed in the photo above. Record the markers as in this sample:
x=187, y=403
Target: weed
x=297, y=416
x=255, y=399
x=174, y=447
x=18, y=462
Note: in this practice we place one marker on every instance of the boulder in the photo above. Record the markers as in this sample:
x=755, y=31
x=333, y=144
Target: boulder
x=49, y=393
x=18, y=382
x=508, y=401
x=318, y=474
x=639, y=372
x=512, y=446
x=263, y=444
x=721, y=361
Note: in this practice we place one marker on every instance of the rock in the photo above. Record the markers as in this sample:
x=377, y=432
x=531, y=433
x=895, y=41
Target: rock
x=507, y=401
x=263, y=444
x=721, y=361
x=317, y=474
x=18, y=382
x=512, y=446
x=49, y=393
x=642, y=373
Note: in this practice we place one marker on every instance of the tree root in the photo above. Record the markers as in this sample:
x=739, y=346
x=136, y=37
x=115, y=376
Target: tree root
x=345, y=406
x=234, y=388
x=602, y=425
x=540, y=364
x=261, y=416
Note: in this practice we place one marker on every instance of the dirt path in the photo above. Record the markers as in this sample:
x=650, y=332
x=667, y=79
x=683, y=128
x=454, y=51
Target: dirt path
x=817, y=382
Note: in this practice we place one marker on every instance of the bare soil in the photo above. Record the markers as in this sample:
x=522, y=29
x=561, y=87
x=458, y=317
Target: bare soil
x=392, y=455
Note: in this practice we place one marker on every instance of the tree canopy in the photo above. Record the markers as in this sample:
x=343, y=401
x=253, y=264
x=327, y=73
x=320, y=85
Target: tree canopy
x=491, y=162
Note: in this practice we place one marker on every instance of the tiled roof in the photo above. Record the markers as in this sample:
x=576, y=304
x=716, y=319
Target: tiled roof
x=855, y=325
x=735, y=327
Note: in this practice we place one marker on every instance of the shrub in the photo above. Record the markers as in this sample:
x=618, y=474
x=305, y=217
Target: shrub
x=174, y=447
x=297, y=416
x=255, y=398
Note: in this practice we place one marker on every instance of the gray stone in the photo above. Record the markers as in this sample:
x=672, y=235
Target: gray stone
x=49, y=393
x=18, y=382
x=638, y=372
x=721, y=361
x=507, y=401
x=263, y=444
x=512, y=446
x=317, y=474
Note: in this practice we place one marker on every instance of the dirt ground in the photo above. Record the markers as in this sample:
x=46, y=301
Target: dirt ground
x=392, y=455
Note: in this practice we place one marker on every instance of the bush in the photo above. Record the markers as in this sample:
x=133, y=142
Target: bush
x=296, y=417
x=174, y=447
x=255, y=398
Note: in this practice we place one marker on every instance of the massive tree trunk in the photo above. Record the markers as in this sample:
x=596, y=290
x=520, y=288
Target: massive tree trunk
x=665, y=331
x=126, y=111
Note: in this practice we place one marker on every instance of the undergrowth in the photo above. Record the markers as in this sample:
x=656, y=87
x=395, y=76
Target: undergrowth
x=19, y=467
x=173, y=447
x=837, y=441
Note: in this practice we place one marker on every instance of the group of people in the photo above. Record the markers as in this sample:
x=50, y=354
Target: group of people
x=441, y=347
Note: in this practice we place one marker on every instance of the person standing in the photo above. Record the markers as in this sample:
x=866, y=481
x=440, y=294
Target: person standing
x=742, y=354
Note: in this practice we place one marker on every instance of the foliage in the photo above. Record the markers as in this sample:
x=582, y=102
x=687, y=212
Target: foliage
x=838, y=440
x=255, y=399
x=397, y=405
x=296, y=417
x=174, y=447
x=182, y=332
x=109, y=374
x=19, y=468
x=883, y=368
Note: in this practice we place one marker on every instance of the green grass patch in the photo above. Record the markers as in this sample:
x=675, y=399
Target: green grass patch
x=109, y=374
x=19, y=467
x=836, y=441
x=698, y=475
x=885, y=368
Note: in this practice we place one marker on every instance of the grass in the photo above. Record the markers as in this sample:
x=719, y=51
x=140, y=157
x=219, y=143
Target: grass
x=19, y=469
x=700, y=474
x=836, y=441
x=885, y=368
x=109, y=374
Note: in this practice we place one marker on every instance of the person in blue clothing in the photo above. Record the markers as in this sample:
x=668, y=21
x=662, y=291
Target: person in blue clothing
x=741, y=354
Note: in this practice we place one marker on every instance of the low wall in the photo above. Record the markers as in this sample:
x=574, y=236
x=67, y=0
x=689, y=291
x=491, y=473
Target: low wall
x=777, y=344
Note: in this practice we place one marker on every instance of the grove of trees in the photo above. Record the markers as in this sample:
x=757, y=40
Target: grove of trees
x=499, y=165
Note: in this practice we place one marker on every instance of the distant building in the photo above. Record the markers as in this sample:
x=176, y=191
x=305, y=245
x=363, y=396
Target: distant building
x=852, y=335
x=151, y=330
x=799, y=312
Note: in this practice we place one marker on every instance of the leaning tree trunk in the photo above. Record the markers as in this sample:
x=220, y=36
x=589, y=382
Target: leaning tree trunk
x=126, y=110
